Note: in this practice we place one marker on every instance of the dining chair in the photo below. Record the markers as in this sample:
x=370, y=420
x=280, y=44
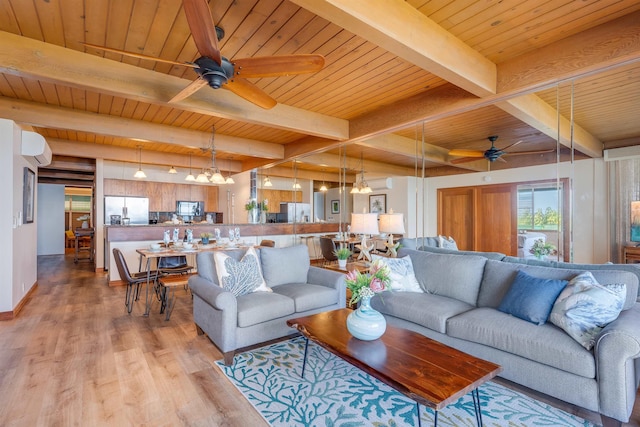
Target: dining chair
x=134, y=280
x=327, y=248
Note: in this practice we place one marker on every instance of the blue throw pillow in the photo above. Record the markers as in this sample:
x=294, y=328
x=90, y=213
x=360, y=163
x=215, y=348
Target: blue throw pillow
x=531, y=298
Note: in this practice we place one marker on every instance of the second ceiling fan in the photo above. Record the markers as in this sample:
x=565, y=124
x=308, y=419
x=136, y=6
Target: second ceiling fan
x=216, y=71
x=492, y=154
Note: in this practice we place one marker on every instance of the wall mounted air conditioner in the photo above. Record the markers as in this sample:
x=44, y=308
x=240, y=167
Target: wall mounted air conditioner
x=381, y=184
x=34, y=145
x=622, y=153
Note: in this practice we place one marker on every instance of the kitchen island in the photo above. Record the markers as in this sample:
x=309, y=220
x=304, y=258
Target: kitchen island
x=128, y=238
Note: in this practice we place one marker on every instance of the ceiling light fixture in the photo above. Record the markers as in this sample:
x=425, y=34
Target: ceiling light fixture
x=323, y=188
x=361, y=186
x=296, y=185
x=172, y=170
x=214, y=173
x=140, y=173
x=190, y=177
x=267, y=182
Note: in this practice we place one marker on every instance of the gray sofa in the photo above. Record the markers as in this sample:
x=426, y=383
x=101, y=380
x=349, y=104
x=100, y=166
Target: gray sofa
x=459, y=309
x=233, y=322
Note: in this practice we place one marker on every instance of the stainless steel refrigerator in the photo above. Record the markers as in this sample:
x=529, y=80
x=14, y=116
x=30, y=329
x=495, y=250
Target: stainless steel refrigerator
x=134, y=208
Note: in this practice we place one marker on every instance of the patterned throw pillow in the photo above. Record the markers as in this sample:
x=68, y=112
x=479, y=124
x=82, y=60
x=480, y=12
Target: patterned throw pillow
x=584, y=307
x=240, y=277
x=403, y=279
x=447, y=243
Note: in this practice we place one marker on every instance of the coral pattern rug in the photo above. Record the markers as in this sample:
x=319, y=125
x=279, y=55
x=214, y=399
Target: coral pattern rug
x=335, y=393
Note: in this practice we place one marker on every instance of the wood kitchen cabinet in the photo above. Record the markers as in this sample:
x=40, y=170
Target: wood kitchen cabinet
x=163, y=195
x=275, y=197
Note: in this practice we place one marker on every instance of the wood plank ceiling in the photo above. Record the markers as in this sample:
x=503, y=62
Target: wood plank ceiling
x=459, y=70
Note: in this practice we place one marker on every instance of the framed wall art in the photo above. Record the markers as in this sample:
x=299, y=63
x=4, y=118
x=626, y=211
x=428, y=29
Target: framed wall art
x=378, y=203
x=28, y=195
x=335, y=206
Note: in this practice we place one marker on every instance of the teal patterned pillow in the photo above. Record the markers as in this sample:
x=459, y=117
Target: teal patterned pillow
x=240, y=277
x=584, y=307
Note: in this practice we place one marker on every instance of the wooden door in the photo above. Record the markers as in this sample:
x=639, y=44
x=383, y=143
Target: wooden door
x=496, y=219
x=455, y=215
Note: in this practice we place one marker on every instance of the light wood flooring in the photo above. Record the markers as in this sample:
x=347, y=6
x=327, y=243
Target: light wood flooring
x=74, y=357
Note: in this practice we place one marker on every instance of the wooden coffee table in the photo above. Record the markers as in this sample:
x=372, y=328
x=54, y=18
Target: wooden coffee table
x=428, y=372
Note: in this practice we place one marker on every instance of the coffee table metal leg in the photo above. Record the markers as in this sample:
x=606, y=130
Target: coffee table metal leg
x=475, y=395
x=418, y=411
x=304, y=359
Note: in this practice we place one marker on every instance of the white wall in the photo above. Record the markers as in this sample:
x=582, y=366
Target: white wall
x=50, y=219
x=18, y=261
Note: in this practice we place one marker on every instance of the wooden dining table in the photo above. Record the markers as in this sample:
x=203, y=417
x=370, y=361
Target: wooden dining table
x=174, y=251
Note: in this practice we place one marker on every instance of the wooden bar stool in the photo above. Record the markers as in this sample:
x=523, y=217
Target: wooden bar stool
x=168, y=285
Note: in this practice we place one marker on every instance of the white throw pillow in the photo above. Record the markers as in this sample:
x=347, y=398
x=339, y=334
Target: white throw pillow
x=447, y=243
x=403, y=279
x=240, y=277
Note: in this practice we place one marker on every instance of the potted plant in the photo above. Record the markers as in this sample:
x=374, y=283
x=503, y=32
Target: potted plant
x=343, y=255
x=252, y=208
x=541, y=249
x=204, y=238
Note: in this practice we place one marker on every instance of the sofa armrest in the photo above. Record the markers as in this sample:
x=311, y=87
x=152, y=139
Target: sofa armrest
x=213, y=294
x=616, y=348
x=331, y=279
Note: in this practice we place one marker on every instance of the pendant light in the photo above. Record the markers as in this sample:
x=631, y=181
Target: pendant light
x=214, y=173
x=361, y=186
x=323, y=188
x=190, y=177
x=140, y=173
x=267, y=182
x=172, y=170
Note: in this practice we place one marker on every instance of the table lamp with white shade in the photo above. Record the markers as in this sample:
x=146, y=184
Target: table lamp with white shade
x=392, y=223
x=365, y=224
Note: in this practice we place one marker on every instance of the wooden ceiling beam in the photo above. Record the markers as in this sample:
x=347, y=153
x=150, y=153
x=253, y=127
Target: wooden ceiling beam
x=49, y=116
x=149, y=157
x=400, y=28
x=407, y=147
x=29, y=58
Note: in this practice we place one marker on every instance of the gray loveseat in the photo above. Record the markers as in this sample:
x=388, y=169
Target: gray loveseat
x=235, y=322
x=459, y=309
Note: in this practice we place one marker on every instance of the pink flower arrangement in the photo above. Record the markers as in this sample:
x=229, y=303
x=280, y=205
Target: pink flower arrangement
x=368, y=284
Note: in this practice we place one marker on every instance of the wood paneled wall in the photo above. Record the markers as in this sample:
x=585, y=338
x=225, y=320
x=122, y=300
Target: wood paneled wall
x=162, y=195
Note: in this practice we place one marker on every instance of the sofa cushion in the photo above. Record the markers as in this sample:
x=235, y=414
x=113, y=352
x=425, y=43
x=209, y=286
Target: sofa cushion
x=259, y=307
x=240, y=277
x=308, y=297
x=585, y=307
x=403, y=278
x=416, y=242
x=546, y=344
x=531, y=298
x=285, y=265
x=430, y=311
x=489, y=255
x=499, y=275
x=207, y=266
x=452, y=276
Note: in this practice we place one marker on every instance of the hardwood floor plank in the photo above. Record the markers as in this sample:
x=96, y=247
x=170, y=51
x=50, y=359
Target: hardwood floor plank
x=74, y=356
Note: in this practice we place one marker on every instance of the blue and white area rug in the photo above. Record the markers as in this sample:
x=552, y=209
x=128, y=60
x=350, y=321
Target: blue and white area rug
x=334, y=393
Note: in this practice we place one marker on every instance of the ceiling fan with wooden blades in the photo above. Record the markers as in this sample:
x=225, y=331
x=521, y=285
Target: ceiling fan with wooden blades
x=492, y=154
x=218, y=72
